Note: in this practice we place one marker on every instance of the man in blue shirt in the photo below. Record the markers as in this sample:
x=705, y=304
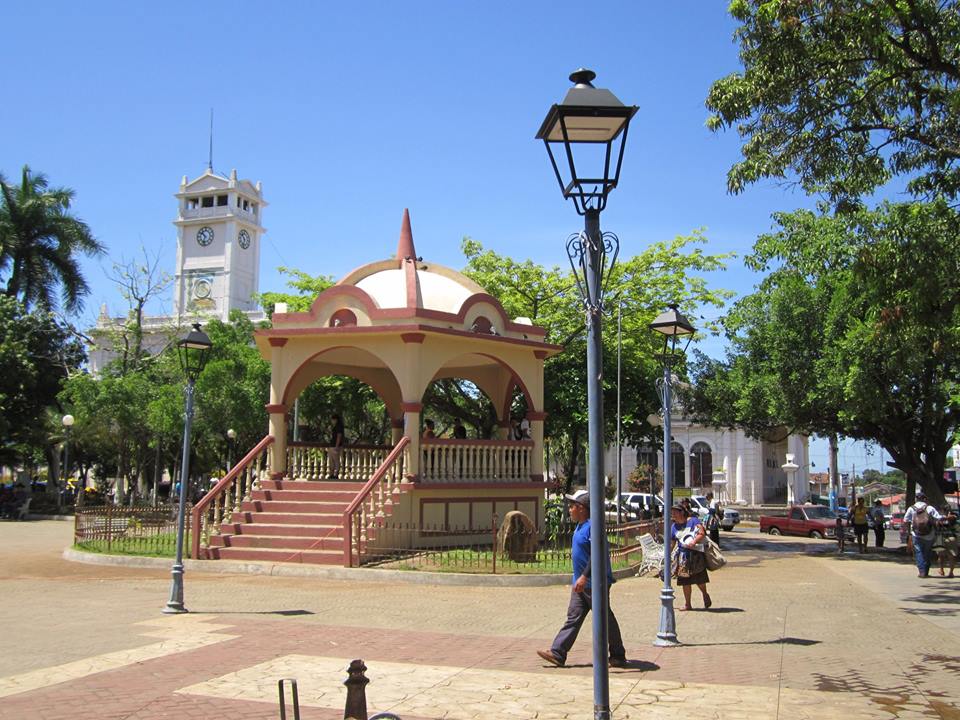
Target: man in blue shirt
x=579, y=509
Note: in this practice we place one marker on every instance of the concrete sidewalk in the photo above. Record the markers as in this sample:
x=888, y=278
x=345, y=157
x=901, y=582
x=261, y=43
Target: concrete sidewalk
x=795, y=632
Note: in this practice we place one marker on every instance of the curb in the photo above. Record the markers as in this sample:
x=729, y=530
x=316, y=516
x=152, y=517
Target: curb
x=413, y=577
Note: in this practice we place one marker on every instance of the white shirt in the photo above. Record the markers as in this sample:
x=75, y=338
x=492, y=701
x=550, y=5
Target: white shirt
x=931, y=511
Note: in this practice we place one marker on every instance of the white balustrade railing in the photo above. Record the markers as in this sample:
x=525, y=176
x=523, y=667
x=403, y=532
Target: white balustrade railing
x=309, y=461
x=453, y=461
x=374, y=503
x=218, y=506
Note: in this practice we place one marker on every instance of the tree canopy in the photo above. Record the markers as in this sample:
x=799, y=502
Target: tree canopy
x=842, y=95
x=40, y=241
x=855, y=331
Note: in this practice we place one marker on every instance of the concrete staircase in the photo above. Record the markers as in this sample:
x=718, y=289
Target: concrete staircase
x=288, y=521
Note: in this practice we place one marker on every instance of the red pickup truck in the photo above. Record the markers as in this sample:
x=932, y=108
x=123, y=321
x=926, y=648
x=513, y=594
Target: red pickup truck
x=814, y=521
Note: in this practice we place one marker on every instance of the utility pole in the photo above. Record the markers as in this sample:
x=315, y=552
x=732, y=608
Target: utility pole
x=834, y=472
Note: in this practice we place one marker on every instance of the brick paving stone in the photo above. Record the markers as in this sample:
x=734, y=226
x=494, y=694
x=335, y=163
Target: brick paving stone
x=794, y=632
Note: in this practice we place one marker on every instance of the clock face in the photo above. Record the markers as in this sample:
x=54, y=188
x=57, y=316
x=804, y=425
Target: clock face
x=244, y=239
x=205, y=235
x=202, y=288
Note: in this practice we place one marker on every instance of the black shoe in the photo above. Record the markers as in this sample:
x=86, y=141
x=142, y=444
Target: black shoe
x=618, y=662
x=550, y=657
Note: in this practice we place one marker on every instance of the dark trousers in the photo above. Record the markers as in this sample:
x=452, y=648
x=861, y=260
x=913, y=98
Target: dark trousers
x=878, y=535
x=576, y=614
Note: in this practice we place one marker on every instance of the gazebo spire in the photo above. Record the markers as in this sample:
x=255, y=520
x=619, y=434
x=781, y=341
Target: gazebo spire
x=405, y=248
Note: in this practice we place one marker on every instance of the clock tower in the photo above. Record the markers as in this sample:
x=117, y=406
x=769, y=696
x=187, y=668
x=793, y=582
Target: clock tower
x=218, y=245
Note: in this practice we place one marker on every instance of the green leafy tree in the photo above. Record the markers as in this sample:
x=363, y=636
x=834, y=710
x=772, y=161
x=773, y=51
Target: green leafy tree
x=640, y=287
x=305, y=289
x=37, y=353
x=842, y=95
x=40, y=244
x=856, y=331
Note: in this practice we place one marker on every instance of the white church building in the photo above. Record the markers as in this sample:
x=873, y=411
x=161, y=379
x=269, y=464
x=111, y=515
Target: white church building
x=219, y=230
x=738, y=468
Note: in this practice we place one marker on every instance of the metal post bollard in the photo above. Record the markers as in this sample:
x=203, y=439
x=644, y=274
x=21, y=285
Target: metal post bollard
x=283, y=700
x=356, y=682
x=356, y=707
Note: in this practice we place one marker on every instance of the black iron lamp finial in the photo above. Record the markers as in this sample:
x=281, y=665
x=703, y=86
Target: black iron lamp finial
x=582, y=76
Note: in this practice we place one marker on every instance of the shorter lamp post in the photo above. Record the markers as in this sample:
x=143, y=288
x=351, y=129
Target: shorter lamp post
x=67, y=422
x=231, y=437
x=674, y=326
x=193, y=351
x=790, y=468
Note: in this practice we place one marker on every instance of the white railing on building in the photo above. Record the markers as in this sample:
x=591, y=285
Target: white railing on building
x=311, y=461
x=467, y=461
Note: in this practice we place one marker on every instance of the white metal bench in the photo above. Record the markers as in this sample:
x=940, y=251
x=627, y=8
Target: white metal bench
x=652, y=559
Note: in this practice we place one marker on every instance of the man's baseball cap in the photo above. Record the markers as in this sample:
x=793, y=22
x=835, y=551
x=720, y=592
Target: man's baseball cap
x=581, y=497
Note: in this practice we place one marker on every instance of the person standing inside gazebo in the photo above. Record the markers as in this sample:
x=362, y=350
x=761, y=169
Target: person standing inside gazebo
x=336, y=445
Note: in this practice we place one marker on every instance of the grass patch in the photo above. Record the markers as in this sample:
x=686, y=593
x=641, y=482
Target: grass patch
x=481, y=562
x=156, y=545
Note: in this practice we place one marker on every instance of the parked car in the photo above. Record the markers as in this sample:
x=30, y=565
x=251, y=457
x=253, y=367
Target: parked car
x=813, y=521
x=636, y=503
x=896, y=520
x=731, y=518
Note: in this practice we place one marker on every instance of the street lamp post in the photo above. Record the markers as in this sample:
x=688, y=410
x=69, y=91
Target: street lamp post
x=67, y=422
x=592, y=123
x=673, y=325
x=231, y=437
x=193, y=351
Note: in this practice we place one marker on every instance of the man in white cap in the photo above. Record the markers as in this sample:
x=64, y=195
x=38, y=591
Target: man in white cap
x=579, y=509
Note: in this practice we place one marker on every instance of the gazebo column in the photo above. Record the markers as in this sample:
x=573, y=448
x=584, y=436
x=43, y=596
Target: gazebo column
x=504, y=426
x=536, y=420
x=278, y=451
x=277, y=410
x=411, y=419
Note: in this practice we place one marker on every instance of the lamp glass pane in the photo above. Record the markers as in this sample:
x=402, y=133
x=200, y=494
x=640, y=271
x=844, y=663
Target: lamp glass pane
x=587, y=129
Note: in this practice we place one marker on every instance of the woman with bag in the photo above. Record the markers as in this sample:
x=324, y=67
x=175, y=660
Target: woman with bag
x=691, y=564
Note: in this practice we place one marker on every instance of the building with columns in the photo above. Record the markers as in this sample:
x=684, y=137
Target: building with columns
x=736, y=467
x=219, y=230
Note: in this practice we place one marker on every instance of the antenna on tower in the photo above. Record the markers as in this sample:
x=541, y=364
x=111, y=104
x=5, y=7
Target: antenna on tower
x=210, y=158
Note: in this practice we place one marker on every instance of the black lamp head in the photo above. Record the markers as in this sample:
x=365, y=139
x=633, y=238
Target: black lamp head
x=592, y=124
x=193, y=351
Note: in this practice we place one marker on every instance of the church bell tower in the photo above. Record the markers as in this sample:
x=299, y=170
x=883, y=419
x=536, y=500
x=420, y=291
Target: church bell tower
x=219, y=229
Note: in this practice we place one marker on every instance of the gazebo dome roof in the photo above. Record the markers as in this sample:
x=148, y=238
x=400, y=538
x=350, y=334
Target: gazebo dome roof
x=405, y=281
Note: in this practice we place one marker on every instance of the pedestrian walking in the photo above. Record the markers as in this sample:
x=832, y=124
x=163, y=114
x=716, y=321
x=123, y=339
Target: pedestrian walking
x=920, y=521
x=688, y=533
x=947, y=540
x=860, y=524
x=879, y=520
x=580, y=600
x=841, y=534
x=714, y=515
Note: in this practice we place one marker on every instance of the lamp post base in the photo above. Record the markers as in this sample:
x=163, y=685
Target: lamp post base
x=174, y=605
x=667, y=634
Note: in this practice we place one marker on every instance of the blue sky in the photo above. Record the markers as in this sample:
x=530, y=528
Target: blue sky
x=351, y=112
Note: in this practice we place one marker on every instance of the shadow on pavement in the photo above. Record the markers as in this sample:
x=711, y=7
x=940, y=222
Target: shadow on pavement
x=287, y=613
x=802, y=642
x=632, y=665
x=725, y=610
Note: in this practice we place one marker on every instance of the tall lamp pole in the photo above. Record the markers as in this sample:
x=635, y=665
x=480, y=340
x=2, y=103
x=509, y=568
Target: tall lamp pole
x=619, y=448
x=67, y=422
x=592, y=123
x=674, y=326
x=193, y=351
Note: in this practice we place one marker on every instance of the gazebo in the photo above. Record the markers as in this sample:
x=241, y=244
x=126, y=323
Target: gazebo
x=396, y=325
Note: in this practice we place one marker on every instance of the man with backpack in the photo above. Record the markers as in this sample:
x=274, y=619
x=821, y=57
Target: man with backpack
x=921, y=522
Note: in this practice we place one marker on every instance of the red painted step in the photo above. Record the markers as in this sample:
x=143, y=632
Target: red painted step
x=277, y=542
x=284, y=530
x=312, y=557
x=302, y=508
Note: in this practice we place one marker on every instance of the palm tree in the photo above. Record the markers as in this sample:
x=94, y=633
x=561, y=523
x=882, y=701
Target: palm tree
x=40, y=241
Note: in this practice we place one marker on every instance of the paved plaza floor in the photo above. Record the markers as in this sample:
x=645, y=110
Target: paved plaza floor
x=795, y=632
